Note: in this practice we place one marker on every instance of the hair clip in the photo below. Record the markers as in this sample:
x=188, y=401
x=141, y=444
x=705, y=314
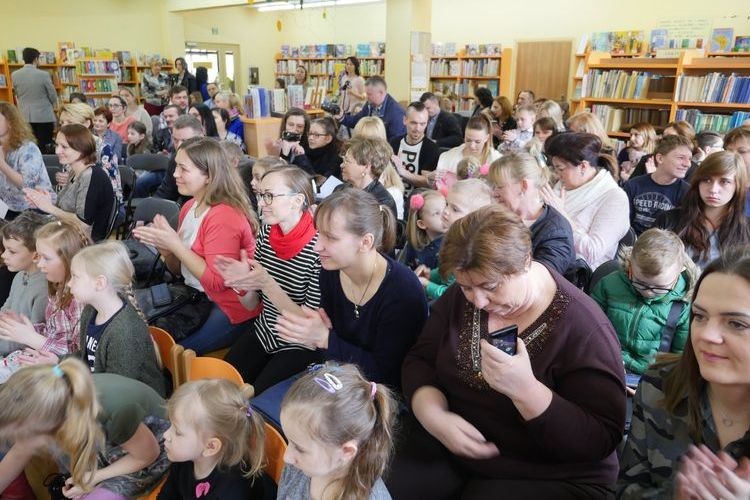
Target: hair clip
x=374, y=390
x=484, y=170
x=57, y=371
x=329, y=382
x=249, y=411
x=313, y=367
x=416, y=202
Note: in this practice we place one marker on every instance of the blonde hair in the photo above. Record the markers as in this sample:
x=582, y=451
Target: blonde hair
x=656, y=250
x=59, y=400
x=236, y=102
x=79, y=112
x=390, y=178
x=417, y=236
x=111, y=260
x=476, y=190
x=360, y=411
x=482, y=123
x=370, y=151
x=225, y=185
x=517, y=167
x=647, y=131
x=219, y=408
x=588, y=123
x=370, y=127
x=551, y=109
x=468, y=168
x=67, y=238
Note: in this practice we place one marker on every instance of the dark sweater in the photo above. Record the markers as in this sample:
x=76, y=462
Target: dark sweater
x=222, y=484
x=125, y=347
x=325, y=161
x=575, y=354
x=648, y=198
x=387, y=327
x=552, y=240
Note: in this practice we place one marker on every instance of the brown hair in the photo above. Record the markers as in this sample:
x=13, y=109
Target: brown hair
x=23, y=229
x=734, y=228
x=684, y=379
x=296, y=112
x=646, y=130
x=221, y=409
x=655, y=251
x=546, y=123
x=80, y=139
x=505, y=106
x=351, y=413
x=683, y=129
x=67, y=238
x=575, y=148
x=225, y=185
x=416, y=236
x=298, y=181
x=737, y=134
x=589, y=123
x=102, y=111
x=517, y=167
x=18, y=130
x=369, y=151
x=669, y=143
x=60, y=400
x=482, y=122
x=362, y=214
x=492, y=241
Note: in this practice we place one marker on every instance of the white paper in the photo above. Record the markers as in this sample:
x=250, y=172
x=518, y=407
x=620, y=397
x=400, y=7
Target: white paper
x=3, y=209
x=328, y=186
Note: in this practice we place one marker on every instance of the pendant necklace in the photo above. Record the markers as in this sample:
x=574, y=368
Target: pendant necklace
x=358, y=305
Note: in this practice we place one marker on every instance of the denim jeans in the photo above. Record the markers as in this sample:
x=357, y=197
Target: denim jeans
x=147, y=183
x=216, y=333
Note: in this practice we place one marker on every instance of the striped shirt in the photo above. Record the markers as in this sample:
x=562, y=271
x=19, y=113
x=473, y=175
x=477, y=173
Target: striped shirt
x=298, y=277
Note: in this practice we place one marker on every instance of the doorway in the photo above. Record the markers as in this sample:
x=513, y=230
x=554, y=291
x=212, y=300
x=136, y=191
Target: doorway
x=544, y=68
x=222, y=60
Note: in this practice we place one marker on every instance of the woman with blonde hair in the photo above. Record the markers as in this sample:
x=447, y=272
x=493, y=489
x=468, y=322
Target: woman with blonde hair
x=477, y=143
x=370, y=127
x=134, y=109
x=21, y=162
x=365, y=160
x=550, y=108
x=109, y=427
x=588, y=123
x=517, y=180
x=218, y=220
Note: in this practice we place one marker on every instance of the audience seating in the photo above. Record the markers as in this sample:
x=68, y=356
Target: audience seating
x=51, y=171
x=51, y=161
x=275, y=446
x=603, y=270
x=127, y=178
x=149, y=162
x=170, y=353
x=200, y=367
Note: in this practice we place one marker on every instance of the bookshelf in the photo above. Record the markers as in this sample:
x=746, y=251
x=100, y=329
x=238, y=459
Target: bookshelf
x=6, y=92
x=458, y=75
x=694, y=87
x=324, y=71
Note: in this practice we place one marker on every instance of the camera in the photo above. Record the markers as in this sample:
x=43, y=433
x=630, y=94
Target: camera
x=331, y=107
x=290, y=136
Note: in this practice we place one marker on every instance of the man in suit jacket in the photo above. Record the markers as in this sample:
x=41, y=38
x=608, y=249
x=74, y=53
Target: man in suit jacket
x=36, y=97
x=381, y=104
x=415, y=156
x=443, y=127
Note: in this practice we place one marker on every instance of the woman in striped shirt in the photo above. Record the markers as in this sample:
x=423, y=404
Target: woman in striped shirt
x=283, y=276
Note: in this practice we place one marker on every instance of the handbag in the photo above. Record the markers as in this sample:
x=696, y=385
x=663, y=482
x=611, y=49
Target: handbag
x=182, y=316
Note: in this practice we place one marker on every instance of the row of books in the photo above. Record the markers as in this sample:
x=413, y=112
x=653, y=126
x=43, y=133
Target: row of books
x=98, y=67
x=329, y=66
x=616, y=119
x=67, y=75
x=618, y=42
x=714, y=122
x=371, y=49
x=480, y=67
x=97, y=85
x=619, y=84
x=713, y=87
x=464, y=88
x=470, y=49
x=445, y=67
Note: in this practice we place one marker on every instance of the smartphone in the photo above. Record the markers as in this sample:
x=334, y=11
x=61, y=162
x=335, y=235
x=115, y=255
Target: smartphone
x=632, y=380
x=505, y=339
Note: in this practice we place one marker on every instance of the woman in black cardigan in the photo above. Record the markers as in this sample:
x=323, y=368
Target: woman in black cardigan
x=185, y=77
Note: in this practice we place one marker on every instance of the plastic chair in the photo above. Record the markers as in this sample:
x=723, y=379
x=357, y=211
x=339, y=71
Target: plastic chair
x=275, y=446
x=170, y=353
x=149, y=207
x=201, y=367
x=51, y=161
x=219, y=353
x=603, y=270
x=628, y=240
x=150, y=162
x=155, y=492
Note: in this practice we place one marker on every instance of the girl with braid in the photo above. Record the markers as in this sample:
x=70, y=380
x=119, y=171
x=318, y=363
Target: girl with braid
x=56, y=244
x=114, y=337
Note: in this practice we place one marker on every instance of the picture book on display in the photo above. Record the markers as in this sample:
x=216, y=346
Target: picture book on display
x=721, y=40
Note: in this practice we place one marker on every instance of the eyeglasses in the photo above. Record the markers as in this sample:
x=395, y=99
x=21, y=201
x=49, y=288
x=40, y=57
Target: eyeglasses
x=311, y=134
x=114, y=105
x=644, y=287
x=268, y=197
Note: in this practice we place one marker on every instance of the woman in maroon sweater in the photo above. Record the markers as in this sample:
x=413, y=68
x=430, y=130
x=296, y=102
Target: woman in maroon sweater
x=542, y=423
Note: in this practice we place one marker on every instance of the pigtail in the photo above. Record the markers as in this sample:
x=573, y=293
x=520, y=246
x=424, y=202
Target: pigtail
x=130, y=295
x=388, y=242
x=80, y=434
x=609, y=163
x=254, y=454
x=416, y=236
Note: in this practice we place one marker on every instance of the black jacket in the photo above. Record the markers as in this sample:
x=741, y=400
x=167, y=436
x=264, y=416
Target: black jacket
x=325, y=161
x=189, y=82
x=162, y=141
x=552, y=241
x=167, y=190
x=447, y=132
x=428, y=155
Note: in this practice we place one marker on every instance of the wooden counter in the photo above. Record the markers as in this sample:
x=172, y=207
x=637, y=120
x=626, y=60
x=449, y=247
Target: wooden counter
x=257, y=132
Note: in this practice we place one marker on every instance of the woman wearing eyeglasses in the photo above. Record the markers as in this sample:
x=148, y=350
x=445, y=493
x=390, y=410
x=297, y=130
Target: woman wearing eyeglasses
x=282, y=276
x=322, y=156
x=218, y=220
x=120, y=120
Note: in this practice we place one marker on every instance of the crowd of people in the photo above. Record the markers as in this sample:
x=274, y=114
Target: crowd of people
x=436, y=308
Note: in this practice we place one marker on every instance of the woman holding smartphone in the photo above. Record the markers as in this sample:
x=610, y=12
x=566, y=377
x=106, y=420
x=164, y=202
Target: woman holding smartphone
x=541, y=423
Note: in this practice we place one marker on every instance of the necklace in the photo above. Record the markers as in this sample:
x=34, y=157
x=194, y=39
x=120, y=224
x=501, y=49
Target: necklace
x=726, y=419
x=358, y=304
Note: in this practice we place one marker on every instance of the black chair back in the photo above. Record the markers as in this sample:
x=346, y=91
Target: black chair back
x=148, y=161
x=149, y=207
x=127, y=177
x=51, y=161
x=603, y=270
x=628, y=240
x=51, y=171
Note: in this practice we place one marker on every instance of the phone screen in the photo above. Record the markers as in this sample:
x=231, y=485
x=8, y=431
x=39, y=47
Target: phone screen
x=505, y=339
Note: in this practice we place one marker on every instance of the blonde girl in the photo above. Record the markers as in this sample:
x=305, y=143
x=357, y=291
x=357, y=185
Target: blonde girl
x=392, y=182
x=642, y=142
x=424, y=229
x=340, y=432
x=215, y=443
x=114, y=337
x=56, y=244
x=109, y=426
x=370, y=127
x=551, y=109
x=477, y=144
x=588, y=123
x=470, y=168
x=517, y=181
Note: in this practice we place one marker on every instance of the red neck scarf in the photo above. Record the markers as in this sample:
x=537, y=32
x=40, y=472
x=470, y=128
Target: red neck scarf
x=286, y=246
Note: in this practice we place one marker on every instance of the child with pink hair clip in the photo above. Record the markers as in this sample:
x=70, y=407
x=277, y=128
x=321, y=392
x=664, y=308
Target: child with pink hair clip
x=425, y=228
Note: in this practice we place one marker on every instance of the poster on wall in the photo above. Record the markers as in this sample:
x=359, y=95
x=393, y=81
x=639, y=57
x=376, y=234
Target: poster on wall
x=685, y=33
x=254, y=78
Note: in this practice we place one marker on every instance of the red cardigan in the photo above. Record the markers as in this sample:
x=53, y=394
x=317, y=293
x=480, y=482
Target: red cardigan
x=223, y=231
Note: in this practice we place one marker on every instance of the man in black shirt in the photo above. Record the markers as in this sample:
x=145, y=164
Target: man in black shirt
x=443, y=127
x=414, y=154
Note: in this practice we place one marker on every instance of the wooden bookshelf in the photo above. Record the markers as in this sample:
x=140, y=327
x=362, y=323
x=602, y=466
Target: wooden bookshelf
x=323, y=72
x=697, y=100
x=461, y=83
x=6, y=90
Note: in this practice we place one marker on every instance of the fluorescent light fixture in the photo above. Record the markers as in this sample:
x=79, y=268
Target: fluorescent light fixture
x=307, y=4
x=276, y=6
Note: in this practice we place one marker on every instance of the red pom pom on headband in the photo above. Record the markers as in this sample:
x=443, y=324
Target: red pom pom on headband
x=484, y=170
x=416, y=202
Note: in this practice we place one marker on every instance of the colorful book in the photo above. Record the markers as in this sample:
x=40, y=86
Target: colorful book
x=741, y=44
x=12, y=58
x=659, y=39
x=721, y=40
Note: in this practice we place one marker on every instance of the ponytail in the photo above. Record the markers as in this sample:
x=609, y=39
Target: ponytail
x=609, y=163
x=388, y=241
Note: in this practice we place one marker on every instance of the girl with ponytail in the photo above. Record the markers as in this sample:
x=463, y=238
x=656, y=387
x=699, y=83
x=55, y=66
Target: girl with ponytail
x=340, y=431
x=109, y=426
x=114, y=337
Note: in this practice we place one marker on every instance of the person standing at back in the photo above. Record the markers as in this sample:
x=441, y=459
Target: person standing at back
x=381, y=104
x=36, y=96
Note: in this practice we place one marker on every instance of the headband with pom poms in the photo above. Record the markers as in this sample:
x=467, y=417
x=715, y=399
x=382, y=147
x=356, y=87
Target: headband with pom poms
x=416, y=202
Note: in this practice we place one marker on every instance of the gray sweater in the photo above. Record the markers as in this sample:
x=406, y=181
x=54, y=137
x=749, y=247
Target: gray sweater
x=295, y=485
x=125, y=347
x=28, y=296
